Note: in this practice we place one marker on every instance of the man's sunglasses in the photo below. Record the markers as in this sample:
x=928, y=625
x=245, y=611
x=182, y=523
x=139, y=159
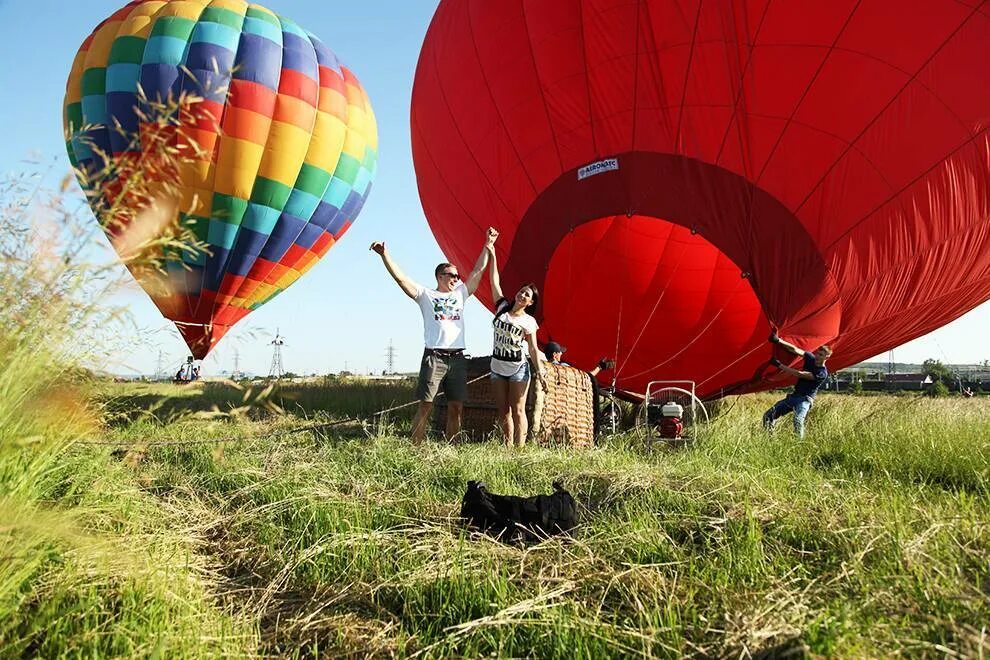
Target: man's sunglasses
x=453, y=276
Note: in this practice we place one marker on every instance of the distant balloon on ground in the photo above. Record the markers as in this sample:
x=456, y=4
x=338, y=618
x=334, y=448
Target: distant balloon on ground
x=226, y=141
x=678, y=176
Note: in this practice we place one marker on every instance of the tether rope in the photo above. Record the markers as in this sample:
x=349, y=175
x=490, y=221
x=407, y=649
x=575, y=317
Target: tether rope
x=687, y=345
x=656, y=305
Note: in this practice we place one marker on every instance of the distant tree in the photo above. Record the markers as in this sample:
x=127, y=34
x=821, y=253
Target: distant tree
x=938, y=371
x=856, y=387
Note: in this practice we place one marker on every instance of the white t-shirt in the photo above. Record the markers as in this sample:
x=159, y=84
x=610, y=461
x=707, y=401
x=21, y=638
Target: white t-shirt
x=443, y=316
x=511, y=350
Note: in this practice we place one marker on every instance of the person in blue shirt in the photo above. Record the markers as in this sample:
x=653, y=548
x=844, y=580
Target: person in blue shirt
x=811, y=377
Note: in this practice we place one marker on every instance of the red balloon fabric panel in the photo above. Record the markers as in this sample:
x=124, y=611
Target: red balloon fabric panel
x=678, y=176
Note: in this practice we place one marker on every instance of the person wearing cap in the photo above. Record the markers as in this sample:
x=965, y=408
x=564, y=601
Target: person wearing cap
x=443, y=363
x=554, y=352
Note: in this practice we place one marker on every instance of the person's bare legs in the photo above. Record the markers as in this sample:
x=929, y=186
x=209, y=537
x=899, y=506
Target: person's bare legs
x=420, y=421
x=517, y=406
x=454, y=412
x=500, y=387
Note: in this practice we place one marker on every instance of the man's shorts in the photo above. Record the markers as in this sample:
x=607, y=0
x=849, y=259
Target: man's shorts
x=445, y=368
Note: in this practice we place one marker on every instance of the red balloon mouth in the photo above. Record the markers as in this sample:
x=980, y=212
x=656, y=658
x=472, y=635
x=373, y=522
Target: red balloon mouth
x=703, y=319
x=759, y=272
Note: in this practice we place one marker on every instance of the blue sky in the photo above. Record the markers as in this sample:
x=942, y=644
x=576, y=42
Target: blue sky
x=346, y=310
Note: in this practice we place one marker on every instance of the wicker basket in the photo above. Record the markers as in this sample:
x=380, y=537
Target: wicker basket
x=564, y=415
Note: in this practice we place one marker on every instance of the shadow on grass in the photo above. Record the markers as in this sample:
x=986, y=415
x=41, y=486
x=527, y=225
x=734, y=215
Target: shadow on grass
x=123, y=411
x=169, y=403
x=947, y=477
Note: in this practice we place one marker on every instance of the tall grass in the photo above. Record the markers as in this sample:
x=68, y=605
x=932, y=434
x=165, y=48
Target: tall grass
x=89, y=565
x=324, y=399
x=741, y=544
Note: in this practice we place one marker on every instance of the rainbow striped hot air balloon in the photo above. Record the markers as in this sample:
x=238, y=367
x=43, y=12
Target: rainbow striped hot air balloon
x=240, y=128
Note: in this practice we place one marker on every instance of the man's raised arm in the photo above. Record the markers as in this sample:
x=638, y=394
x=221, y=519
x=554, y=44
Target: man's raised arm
x=408, y=287
x=791, y=348
x=474, y=279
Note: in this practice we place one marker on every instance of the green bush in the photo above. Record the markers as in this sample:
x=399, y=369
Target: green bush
x=937, y=389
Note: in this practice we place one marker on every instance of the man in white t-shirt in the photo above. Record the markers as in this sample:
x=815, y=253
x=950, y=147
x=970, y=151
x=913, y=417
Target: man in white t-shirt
x=443, y=361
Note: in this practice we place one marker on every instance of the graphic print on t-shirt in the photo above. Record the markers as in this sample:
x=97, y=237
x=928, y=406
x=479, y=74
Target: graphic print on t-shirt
x=443, y=317
x=510, y=333
x=447, y=308
x=508, y=341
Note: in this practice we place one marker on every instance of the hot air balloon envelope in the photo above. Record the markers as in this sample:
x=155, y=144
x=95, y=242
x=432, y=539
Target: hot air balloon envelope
x=229, y=128
x=677, y=177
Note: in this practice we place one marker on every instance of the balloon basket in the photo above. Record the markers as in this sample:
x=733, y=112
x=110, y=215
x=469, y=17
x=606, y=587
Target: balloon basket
x=563, y=416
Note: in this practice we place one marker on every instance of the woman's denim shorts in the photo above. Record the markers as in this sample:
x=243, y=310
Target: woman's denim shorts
x=520, y=376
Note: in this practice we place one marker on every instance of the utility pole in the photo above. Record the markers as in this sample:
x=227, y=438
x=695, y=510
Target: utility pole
x=390, y=358
x=277, y=370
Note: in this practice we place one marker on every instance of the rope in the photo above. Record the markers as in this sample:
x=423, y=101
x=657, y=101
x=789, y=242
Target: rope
x=656, y=305
x=698, y=336
x=143, y=444
x=192, y=325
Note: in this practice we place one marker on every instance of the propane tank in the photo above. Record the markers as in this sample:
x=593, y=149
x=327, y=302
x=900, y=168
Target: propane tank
x=671, y=425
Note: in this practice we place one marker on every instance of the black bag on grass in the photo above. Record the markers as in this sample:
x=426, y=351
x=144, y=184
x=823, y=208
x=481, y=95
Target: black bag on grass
x=513, y=518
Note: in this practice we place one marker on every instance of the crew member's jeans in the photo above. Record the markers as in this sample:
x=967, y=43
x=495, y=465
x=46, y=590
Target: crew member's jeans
x=799, y=405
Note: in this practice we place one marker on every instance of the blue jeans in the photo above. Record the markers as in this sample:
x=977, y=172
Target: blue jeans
x=799, y=405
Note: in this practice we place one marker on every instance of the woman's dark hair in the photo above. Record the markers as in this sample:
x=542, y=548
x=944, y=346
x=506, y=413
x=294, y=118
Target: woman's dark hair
x=535, y=293
x=535, y=297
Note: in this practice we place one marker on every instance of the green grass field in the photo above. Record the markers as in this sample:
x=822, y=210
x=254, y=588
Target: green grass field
x=867, y=538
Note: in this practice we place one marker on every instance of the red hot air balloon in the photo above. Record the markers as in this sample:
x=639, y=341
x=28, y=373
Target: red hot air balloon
x=678, y=176
x=223, y=120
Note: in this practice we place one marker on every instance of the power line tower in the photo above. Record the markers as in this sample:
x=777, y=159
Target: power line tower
x=890, y=362
x=277, y=370
x=237, y=365
x=159, y=366
x=390, y=358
